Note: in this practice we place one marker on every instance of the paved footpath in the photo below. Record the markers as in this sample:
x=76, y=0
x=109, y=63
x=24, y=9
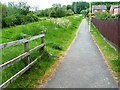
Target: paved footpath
x=83, y=66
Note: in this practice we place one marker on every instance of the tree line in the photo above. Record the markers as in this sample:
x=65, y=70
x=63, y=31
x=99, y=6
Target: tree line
x=58, y=10
x=18, y=14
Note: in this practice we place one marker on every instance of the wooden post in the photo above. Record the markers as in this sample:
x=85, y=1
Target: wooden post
x=42, y=41
x=26, y=49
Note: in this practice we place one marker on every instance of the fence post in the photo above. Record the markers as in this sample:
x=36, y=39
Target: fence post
x=42, y=41
x=26, y=49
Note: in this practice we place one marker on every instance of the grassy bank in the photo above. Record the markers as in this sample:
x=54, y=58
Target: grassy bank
x=109, y=53
x=59, y=34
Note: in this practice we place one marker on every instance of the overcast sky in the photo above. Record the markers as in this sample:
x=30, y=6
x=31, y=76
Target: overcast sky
x=42, y=4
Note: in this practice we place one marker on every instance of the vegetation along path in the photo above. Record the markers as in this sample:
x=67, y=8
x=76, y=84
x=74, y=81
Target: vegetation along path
x=83, y=66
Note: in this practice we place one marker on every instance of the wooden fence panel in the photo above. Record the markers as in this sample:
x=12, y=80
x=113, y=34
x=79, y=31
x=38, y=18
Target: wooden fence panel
x=110, y=29
x=5, y=84
x=26, y=53
x=20, y=57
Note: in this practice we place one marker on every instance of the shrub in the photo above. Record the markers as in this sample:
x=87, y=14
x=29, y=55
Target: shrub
x=102, y=16
x=118, y=16
x=30, y=17
x=10, y=21
x=83, y=12
x=106, y=16
x=19, y=20
x=69, y=12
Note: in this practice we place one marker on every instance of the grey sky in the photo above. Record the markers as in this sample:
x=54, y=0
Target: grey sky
x=42, y=4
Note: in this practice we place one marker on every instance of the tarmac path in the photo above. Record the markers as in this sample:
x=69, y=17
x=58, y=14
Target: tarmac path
x=83, y=66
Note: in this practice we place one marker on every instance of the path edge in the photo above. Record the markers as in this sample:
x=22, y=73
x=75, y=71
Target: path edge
x=108, y=66
x=51, y=71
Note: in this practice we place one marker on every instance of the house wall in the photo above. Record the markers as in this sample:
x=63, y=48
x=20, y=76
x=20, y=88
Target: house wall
x=111, y=11
x=116, y=11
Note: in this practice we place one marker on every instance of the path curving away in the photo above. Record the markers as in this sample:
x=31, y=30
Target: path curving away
x=83, y=66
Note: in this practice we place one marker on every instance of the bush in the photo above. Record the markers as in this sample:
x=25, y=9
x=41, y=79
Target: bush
x=30, y=17
x=19, y=19
x=69, y=12
x=84, y=12
x=106, y=16
x=10, y=21
x=52, y=14
x=102, y=16
x=118, y=16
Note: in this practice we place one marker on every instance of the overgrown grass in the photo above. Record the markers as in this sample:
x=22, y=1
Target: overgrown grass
x=111, y=55
x=57, y=39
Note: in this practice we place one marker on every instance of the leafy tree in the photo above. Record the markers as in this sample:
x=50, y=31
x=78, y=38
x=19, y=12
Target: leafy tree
x=3, y=8
x=69, y=7
x=77, y=7
x=3, y=14
x=24, y=8
x=10, y=20
x=30, y=17
x=52, y=13
x=17, y=14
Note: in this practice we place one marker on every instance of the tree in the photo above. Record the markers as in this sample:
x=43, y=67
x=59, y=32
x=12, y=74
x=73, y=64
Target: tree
x=4, y=10
x=69, y=7
x=16, y=14
x=77, y=7
x=24, y=8
x=74, y=7
x=3, y=14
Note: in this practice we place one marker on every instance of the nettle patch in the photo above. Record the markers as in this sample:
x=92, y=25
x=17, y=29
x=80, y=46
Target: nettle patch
x=61, y=22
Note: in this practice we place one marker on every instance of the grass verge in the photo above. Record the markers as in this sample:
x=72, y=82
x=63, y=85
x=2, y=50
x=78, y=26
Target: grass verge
x=110, y=54
x=59, y=34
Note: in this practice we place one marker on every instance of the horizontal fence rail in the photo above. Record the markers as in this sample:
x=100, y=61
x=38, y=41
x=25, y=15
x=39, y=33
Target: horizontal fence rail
x=5, y=84
x=20, y=57
x=26, y=53
x=110, y=29
x=13, y=43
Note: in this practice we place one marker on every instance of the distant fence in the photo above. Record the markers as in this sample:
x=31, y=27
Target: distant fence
x=26, y=55
x=110, y=29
